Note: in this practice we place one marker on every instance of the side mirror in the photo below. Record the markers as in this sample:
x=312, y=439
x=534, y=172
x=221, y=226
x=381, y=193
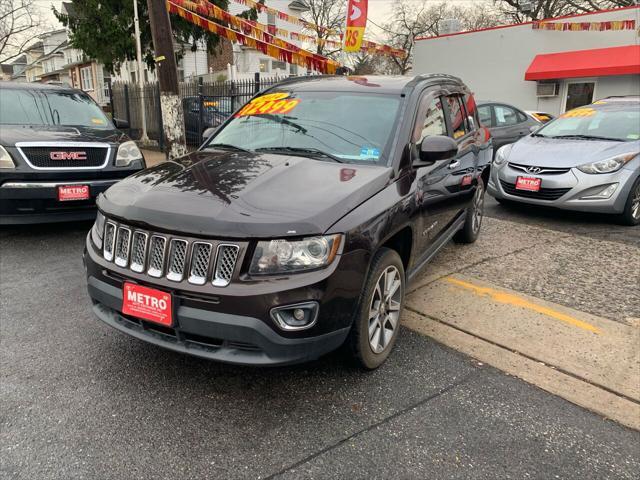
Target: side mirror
x=209, y=132
x=436, y=148
x=121, y=124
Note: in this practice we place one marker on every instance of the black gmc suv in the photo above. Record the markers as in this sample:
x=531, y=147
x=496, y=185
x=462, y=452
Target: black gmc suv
x=297, y=226
x=58, y=151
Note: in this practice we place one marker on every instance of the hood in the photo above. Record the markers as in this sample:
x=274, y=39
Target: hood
x=243, y=195
x=11, y=134
x=565, y=153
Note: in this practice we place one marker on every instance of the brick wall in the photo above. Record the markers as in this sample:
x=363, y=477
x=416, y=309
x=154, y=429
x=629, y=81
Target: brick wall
x=222, y=55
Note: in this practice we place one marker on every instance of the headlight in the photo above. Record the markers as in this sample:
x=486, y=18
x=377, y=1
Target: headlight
x=284, y=256
x=127, y=153
x=97, y=230
x=5, y=159
x=502, y=154
x=609, y=165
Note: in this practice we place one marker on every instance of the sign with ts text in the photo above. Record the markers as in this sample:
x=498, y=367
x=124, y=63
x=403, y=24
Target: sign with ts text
x=356, y=23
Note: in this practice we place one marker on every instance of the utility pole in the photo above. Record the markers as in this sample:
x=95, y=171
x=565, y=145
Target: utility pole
x=170, y=103
x=143, y=114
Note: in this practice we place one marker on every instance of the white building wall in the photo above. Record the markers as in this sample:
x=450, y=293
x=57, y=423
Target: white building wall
x=493, y=62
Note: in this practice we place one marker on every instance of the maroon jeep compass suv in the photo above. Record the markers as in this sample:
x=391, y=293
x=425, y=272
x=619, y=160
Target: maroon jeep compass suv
x=298, y=224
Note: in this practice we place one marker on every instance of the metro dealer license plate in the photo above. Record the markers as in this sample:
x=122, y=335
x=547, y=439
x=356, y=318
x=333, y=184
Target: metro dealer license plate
x=73, y=192
x=529, y=184
x=147, y=304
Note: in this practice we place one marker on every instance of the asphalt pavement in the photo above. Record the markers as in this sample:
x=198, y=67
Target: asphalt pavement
x=80, y=400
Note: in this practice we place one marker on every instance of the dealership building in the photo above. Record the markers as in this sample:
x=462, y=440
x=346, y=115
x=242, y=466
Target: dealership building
x=549, y=66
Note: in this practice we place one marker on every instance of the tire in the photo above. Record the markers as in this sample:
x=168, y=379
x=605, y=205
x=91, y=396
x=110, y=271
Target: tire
x=473, y=221
x=371, y=350
x=631, y=214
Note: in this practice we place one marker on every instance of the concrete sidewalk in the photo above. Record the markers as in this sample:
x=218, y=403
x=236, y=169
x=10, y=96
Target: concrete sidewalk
x=536, y=310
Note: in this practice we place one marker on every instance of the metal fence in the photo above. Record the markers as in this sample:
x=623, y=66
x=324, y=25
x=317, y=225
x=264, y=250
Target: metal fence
x=205, y=104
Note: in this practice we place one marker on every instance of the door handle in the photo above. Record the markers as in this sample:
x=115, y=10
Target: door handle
x=454, y=164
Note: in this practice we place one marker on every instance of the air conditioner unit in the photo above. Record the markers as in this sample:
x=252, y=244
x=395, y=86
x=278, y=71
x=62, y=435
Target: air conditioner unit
x=547, y=89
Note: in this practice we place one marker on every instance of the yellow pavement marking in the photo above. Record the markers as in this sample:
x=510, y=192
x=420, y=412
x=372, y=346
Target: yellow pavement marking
x=510, y=299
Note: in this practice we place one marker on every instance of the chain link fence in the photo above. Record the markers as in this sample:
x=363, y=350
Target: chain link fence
x=205, y=105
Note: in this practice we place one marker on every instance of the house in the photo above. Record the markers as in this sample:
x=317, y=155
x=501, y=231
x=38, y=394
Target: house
x=553, y=66
x=18, y=66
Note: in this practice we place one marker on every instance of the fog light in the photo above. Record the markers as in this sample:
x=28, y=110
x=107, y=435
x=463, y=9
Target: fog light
x=603, y=194
x=296, y=317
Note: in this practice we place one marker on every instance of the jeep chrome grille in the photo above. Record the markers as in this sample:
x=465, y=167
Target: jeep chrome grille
x=178, y=259
x=225, y=263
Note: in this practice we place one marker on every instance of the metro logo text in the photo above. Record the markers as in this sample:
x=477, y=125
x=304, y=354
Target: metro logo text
x=147, y=304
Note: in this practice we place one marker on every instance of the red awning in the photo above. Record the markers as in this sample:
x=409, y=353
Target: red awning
x=599, y=62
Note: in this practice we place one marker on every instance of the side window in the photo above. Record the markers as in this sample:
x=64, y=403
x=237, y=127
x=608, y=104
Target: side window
x=521, y=117
x=505, y=116
x=485, y=115
x=434, y=122
x=457, y=117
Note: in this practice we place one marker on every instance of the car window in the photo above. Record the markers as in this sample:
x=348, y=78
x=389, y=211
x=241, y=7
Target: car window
x=505, y=116
x=472, y=111
x=457, y=116
x=622, y=123
x=485, y=115
x=521, y=116
x=434, y=122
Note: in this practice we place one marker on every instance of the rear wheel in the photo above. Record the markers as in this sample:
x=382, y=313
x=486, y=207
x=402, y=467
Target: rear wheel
x=377, y=323
x=631, y=214
x=473, y=221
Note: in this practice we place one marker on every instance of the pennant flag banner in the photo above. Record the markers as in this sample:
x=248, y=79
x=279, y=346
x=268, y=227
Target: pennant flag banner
x=612, y=25
x=368, y=46
x=279, y=51
x=356, y=23
x=257, y=29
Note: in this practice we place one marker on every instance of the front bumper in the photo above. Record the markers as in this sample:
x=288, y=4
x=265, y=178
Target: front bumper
x=37, y=201
x=565, y=191
x=232, y=324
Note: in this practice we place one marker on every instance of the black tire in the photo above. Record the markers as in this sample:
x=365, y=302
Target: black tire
x=359, y=341
x=473, y=221
x=631, y=214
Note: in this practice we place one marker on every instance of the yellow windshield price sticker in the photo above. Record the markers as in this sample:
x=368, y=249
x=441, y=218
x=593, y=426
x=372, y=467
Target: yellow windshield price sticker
x=579, y=113
x=271, y=104
x=97, y=121
x=210, y=104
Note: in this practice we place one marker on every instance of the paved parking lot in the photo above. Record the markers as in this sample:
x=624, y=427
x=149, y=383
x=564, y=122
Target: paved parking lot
x=80, y=400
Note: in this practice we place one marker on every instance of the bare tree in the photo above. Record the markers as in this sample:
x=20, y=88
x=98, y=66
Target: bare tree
x=327, y=16
x=19, y=23
x=410, y=20
x=520, y=10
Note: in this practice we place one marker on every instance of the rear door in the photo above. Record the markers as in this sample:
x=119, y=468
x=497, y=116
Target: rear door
x=509, y=125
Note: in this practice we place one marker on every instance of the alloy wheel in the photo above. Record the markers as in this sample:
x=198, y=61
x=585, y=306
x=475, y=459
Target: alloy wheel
x=384, y=311
x=478, y=209
x=635, y=203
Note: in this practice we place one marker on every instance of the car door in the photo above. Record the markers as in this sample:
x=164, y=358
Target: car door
x=432, y=196
x=509, y=125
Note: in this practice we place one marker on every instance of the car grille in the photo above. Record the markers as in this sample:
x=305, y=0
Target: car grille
x=541, y=171
x=177, y=259
x=95, y=157
x=542, y=194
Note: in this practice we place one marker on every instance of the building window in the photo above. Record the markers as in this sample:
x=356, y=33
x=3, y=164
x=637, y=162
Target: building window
x=86, y=77
x=264, y=66
x=293, y=69
x=276, y=65
x=271, y=18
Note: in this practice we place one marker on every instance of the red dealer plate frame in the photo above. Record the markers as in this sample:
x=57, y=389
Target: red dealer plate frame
x=68, y=193
x=529, y=184
x=147, y=304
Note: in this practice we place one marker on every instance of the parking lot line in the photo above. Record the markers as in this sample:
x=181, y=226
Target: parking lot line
x=515, y=300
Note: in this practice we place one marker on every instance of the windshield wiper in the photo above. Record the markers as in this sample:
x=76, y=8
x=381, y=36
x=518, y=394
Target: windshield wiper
x=227, y=146
x=539, y=135
x=303, y=151
x=589, y=137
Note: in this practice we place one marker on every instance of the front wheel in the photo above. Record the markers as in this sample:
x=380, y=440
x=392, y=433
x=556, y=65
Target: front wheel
x=377, y=323
x=631, y=214
x=473, y=220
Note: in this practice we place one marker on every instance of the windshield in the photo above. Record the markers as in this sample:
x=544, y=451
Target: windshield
x=345, y=126
x=33, y=107
x=617, y=123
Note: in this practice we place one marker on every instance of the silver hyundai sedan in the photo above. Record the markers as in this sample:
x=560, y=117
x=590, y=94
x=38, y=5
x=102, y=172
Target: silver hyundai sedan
x=587, y=159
